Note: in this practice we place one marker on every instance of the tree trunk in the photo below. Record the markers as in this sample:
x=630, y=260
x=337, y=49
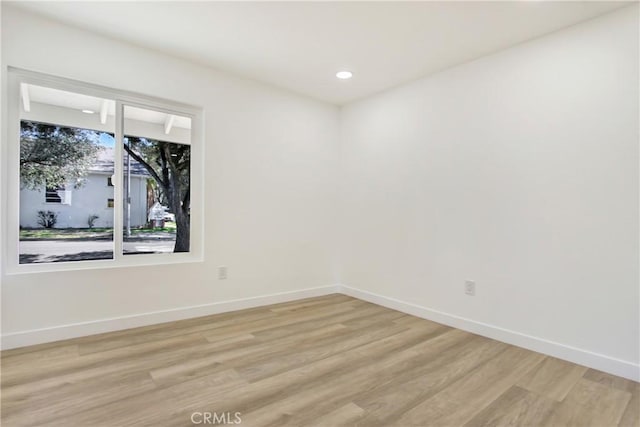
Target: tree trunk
x=183, y=230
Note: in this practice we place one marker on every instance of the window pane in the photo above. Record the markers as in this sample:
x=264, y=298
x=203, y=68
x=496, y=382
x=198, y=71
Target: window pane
x=53, y=194
x=66, y=155
x=156, y=182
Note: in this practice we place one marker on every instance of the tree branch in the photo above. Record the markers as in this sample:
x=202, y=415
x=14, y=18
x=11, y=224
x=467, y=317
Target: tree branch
x=148, y=167
x=165, y=155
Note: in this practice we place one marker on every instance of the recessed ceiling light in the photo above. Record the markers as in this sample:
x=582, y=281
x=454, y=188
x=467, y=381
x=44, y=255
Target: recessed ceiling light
x=344, y=75
x=88, y=111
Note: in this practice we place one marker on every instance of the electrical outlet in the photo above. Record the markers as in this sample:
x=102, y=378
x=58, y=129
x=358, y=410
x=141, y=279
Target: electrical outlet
x=470, y=287
x=222, y=272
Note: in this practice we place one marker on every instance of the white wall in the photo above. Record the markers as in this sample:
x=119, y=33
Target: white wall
x=269, y=180
x=519, y=171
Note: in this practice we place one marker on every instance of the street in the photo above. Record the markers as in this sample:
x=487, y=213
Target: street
x=39, y=251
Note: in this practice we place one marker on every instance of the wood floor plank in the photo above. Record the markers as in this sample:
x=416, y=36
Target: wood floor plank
x=385, y=316
x=307, y=303
x=180, y=327
x=553, y=378
x=326, y=393
x=140, y=337
x=386, y=396
x=110, y=340
x=148, y=356
x=68, y=399
x=157, y=406
x=389, y=401
x=235, y=397
x=259, y=352
x=95, y=362
x=218, y=324
x=35, y=358
x=325, y=361
x=515, y=407
x=32, y=378
x=610, y=380
x=269, y=332
x=591, y=404
x=346, y=415
x=264, y=401
x=458, y=403
x=292, y=357
x=408, y=320
x=631, y=415
x=283, y=319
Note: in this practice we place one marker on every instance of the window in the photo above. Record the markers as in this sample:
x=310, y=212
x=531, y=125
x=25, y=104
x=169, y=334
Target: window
x=59, y=195
x=70, y=138
x=52, y=195
x=156, y=183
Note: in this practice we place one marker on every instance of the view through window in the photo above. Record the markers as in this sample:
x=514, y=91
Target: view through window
x=156, y=182
x=68, y=183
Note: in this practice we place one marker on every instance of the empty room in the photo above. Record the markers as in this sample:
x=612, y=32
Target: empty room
x=421, y=213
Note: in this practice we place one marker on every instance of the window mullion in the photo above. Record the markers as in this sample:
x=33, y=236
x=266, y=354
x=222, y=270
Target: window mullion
x=118, y=193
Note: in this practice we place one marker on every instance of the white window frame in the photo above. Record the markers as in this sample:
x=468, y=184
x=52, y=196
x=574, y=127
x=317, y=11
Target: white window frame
x=11, y=178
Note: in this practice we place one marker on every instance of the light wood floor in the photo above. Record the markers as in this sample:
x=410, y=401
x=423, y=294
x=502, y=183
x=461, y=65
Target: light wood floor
x=324, y=361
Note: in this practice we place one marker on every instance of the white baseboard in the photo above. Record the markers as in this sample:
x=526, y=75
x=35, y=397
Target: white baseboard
x=75, y=330
x=587, y=358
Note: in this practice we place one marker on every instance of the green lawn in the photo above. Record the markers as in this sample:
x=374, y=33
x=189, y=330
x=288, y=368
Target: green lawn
x=64, y=233
x=88, y=233
x=169, y=227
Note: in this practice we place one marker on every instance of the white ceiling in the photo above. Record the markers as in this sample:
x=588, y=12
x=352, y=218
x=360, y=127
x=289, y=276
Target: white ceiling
x=301, y=45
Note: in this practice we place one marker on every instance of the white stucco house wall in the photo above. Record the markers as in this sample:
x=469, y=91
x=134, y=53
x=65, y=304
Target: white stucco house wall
x=94, y=197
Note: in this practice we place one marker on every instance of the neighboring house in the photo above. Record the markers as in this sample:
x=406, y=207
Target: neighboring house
x=94, y=197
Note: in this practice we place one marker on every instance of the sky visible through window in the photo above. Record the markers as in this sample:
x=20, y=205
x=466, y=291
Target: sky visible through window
x=106, y=139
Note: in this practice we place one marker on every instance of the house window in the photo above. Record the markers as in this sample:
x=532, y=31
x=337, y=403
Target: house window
x=60, y=195
x=68, y=136
x=51, y=194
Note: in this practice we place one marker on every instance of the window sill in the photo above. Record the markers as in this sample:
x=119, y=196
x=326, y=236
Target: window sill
x=125, y=261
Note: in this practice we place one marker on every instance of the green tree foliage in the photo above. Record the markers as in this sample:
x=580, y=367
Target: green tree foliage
x=53, y=155
x=170, y=165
